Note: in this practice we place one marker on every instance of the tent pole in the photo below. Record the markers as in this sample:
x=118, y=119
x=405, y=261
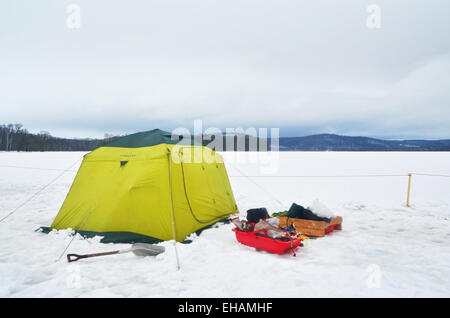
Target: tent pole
x=171, y=210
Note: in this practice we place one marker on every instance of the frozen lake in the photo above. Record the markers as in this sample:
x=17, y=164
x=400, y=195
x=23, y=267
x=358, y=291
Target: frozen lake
x=384, y=250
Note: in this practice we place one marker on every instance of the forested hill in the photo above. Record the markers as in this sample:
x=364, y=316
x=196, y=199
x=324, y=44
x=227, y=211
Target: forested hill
x=331, y=142
x=13, y=137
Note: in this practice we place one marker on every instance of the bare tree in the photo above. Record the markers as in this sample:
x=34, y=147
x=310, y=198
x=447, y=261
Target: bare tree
x=9, y=136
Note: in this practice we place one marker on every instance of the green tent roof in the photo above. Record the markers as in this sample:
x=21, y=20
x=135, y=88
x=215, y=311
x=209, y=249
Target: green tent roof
x=146, y=139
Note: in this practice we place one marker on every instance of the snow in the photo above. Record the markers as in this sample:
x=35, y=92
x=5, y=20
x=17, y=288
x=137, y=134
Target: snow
x=384, y=250
x=320, y=209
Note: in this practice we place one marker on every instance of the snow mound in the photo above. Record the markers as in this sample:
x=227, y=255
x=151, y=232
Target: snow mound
x=320, y=209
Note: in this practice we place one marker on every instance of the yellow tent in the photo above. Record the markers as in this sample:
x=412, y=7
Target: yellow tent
x=146, y=188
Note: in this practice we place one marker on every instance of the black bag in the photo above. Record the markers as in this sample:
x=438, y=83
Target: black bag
x=254, y=215
x=298, y=212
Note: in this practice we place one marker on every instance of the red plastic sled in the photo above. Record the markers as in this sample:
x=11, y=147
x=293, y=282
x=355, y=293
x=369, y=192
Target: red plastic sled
x=265, y=243
x=330, y=229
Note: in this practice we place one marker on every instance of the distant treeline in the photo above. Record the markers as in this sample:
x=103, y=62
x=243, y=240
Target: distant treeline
x=13, y=137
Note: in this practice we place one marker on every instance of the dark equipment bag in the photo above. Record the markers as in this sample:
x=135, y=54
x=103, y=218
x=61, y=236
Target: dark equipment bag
x=254, y=215
x=298, y=212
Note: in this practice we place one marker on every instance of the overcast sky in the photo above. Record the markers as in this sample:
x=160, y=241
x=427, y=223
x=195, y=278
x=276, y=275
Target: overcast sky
x=303, y=66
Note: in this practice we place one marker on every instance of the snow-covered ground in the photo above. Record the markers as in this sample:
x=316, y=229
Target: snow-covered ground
x=384, y=250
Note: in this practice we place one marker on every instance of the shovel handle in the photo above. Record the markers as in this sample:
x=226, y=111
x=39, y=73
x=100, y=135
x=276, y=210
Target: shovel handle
x=76, y=257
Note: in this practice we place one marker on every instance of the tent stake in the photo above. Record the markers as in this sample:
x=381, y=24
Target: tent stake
x=409, y=189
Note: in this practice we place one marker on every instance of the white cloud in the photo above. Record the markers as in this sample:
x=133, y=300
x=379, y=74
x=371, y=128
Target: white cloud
x=304, y=67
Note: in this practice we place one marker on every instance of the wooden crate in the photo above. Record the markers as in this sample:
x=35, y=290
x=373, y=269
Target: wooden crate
x=309, y=227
